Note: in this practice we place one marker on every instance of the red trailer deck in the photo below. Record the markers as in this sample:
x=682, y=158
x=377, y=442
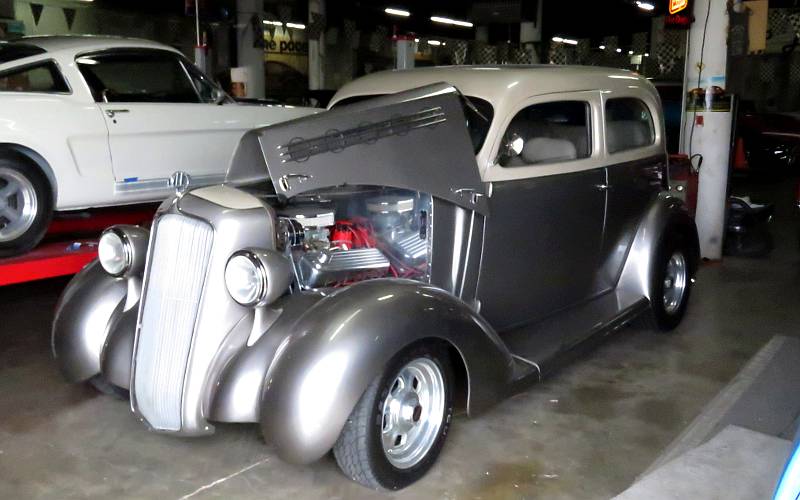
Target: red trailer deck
x=70, y=244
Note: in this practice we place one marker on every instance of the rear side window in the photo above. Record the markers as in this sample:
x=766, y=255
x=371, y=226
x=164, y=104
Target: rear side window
x=629, y=125
x=137, y=77
x=39, y=77
x=546, y=133
x=13, y=51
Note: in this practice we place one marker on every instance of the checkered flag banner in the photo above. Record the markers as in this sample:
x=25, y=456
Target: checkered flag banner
x=459, y=50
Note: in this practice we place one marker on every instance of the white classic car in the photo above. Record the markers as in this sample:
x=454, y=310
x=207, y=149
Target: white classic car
x=96, y=121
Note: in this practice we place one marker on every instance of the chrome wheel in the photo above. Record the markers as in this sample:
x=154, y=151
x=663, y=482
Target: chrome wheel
x=18, y=204
x=413, y=413
x=675, y=282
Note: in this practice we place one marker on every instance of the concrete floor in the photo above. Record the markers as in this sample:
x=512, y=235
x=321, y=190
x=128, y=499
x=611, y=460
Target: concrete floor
x=587, y=432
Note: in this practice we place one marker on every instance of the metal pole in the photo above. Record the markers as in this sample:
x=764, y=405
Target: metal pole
x=197, y=20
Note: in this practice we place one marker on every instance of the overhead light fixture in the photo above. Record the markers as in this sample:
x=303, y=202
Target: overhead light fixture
x=397, y=12
x=619, y=51
x=630, y=52
x=435, y=43
x=646, y=54
x=602, y=47
x=416, y=40
x=454, y=22
x=296, y=26
x=568, y=41
x=273, y=23
x=645, y=5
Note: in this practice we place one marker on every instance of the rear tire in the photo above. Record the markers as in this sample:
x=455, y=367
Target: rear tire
x=26, y=206
x=398, y=428
x=671, y=282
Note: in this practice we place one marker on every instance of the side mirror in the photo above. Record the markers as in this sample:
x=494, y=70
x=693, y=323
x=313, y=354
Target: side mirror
x=218, y=96
x=511, y=148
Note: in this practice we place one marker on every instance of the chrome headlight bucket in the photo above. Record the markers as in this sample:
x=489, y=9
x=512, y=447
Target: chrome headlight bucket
x=256, y=276
x=122, y=250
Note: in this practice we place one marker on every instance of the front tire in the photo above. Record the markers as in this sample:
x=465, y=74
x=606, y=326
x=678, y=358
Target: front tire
x=26, y=206
x=398, y=428
x=671, y=282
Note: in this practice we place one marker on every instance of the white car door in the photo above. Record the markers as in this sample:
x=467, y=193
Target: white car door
x=158, y=119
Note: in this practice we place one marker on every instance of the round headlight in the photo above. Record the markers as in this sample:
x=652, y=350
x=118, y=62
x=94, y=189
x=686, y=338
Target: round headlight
x=114, y=253
x=245, y=279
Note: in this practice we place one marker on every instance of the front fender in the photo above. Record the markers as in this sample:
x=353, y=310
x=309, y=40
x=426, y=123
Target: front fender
x=343, y=342
x=82, y=321
x=666, y=213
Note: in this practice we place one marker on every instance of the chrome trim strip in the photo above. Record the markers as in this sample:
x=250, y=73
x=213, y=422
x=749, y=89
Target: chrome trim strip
x=300, y=149
x=162, y=184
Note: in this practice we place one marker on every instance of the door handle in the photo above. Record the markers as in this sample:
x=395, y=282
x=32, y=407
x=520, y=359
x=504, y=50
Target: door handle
x=111, y=113
x=284, y=180
x=602, y=187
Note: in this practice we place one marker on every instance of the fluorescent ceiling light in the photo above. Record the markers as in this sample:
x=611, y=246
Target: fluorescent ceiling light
x=646, y=54
x=619, y=51
x=645, y=5
x=454, y=22
x=630, y=52
x=273, y=23
x=416, y=40
x=602, y=47
x=296, y=26
x=568, y=41
x=397, y=12
x=434, y=42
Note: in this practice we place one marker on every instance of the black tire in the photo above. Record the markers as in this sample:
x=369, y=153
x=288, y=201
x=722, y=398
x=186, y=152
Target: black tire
x=35, y=230
x=663, y=317
x=359, y=450
x=103, y=386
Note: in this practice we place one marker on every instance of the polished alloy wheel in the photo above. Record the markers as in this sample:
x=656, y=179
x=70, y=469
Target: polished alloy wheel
x=413, y=413
x=675, y=282
x=18, y=204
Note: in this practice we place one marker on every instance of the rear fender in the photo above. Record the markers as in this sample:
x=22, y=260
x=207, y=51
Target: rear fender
x=341, y=344
x=665, y=215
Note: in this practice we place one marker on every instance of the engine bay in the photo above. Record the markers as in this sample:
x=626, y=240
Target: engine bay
x=341, y=236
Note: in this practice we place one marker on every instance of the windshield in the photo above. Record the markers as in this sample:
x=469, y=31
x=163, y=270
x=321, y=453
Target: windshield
x=477, y=122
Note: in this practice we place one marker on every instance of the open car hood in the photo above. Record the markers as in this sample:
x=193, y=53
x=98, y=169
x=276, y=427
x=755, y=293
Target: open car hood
x=415, y=140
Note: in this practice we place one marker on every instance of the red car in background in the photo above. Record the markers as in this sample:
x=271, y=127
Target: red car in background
x=771, y=142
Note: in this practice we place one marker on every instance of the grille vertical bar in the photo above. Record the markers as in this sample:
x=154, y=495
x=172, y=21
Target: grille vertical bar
x=174, y=287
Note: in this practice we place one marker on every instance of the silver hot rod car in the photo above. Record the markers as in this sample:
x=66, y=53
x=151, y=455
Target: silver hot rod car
x=418, y=246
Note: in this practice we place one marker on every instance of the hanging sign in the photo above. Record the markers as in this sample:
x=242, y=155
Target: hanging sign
x=676, y=6
x=680, y=15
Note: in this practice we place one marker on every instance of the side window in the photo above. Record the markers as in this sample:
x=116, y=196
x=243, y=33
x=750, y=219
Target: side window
x=137, y=77
x=42, y=77
x=550, y=132
x=629, y=124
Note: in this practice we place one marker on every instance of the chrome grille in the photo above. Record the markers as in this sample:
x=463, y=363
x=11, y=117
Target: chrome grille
x=177, y=271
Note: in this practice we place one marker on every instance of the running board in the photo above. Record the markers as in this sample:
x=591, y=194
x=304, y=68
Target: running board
x=543, y=346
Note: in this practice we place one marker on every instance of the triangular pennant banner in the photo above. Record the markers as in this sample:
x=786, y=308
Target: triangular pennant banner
x=36, y=10
x=69, y=14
